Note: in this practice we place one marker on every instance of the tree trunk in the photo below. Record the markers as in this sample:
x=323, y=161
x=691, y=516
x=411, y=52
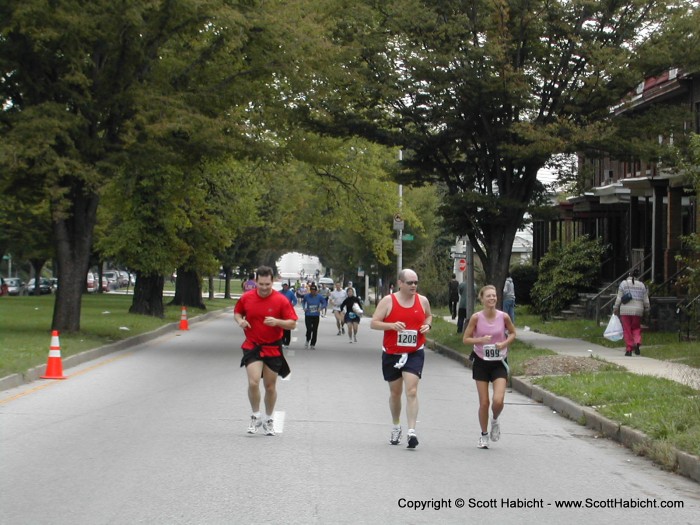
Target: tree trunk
x=496, y=257
x=73, y=238
x=188, y=290
x=148, y=295
x=227, y=282
x=37, y=265
x=211, y=287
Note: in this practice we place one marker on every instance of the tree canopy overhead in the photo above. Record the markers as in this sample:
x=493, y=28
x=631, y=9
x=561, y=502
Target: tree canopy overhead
x=481, y=95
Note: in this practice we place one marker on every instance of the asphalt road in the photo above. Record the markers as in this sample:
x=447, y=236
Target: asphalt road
x=156, y=434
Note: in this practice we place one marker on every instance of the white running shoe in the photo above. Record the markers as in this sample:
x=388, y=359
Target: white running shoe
x=355, y=339
x=483, y=442
x=269, y=427
x=255, y=423
x=495, y=430
x=395, y=438
x=412, y=440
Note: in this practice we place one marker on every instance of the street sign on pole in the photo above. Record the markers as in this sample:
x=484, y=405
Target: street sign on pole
x=462, y=265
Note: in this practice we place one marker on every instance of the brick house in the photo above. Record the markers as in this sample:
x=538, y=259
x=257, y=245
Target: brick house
x=639, y=208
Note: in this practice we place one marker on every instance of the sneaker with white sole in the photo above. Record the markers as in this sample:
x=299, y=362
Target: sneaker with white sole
x=395, y=438
x=255, y=423
x=412, y=440
x=483, y=441
x=269, y=427
x=355, y=339
x=495, y=430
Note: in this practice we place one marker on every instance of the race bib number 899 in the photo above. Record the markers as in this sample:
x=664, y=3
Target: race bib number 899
x=407, y=338
x=491, y=353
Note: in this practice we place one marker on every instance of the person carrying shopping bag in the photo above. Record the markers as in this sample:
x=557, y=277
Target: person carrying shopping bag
x=631, y=304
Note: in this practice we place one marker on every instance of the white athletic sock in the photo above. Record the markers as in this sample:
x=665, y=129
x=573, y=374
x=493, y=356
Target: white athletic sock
x=411, y=431
x=257, y=414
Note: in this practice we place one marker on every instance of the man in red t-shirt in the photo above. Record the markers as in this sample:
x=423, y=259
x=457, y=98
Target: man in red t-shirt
x=405, y=318
x=264, y=314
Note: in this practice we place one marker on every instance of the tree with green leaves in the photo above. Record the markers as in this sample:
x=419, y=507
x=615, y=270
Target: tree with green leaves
x=87, y=88
x=480, y=95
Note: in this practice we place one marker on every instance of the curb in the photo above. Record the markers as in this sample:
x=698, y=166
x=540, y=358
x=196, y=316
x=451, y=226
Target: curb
x=687, y=464
x=15, y=380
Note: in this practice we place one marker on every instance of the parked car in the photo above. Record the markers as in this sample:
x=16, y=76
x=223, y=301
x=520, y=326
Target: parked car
x=124, y=279
x=15, y=286
x=44, y=286
x=91, y=282
x=113, y=279
x=108, y=285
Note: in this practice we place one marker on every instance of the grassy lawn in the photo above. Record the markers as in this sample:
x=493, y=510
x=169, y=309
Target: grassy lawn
x=25, y=326
x=664, y=410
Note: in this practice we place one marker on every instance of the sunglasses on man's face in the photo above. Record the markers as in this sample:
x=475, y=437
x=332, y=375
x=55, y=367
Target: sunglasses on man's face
x=411, y=283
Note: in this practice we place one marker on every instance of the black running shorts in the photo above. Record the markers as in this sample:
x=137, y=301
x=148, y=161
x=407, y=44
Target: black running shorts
x=414, y=365
x=487, y=370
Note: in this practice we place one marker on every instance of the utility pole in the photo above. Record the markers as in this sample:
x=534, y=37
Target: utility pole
x=398, y=226
x=398, y=220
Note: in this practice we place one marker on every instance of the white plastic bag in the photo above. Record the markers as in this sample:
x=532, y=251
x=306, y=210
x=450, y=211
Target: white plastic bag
x=613, y=332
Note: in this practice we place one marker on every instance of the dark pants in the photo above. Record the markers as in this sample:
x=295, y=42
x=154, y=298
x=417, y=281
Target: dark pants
x=461, y=316
x=287, y=338
x=311, y=322
x=453, y=307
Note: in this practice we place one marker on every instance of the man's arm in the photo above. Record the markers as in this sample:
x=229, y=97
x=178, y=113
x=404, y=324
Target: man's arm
x=241, y=321
x=428, y=323
x=382, y=311
x=285, y=324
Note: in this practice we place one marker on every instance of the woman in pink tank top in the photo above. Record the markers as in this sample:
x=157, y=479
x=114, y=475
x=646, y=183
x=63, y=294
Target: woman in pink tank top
x=491, y=331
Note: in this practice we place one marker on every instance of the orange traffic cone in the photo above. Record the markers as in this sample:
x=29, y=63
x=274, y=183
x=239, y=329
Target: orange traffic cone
x=184, y=325
x=54, y=366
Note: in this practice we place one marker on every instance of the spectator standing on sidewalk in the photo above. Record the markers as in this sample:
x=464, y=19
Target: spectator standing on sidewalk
x=631, y=311
x=263, y=314
x=487, y=332
x=453, y=295
x=312, y=303
x=405, y=318
x=462, y=306
x=292, y=297
x=509, y=298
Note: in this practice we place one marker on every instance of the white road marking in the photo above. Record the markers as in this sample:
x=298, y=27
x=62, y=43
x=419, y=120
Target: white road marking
x=278, y=416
